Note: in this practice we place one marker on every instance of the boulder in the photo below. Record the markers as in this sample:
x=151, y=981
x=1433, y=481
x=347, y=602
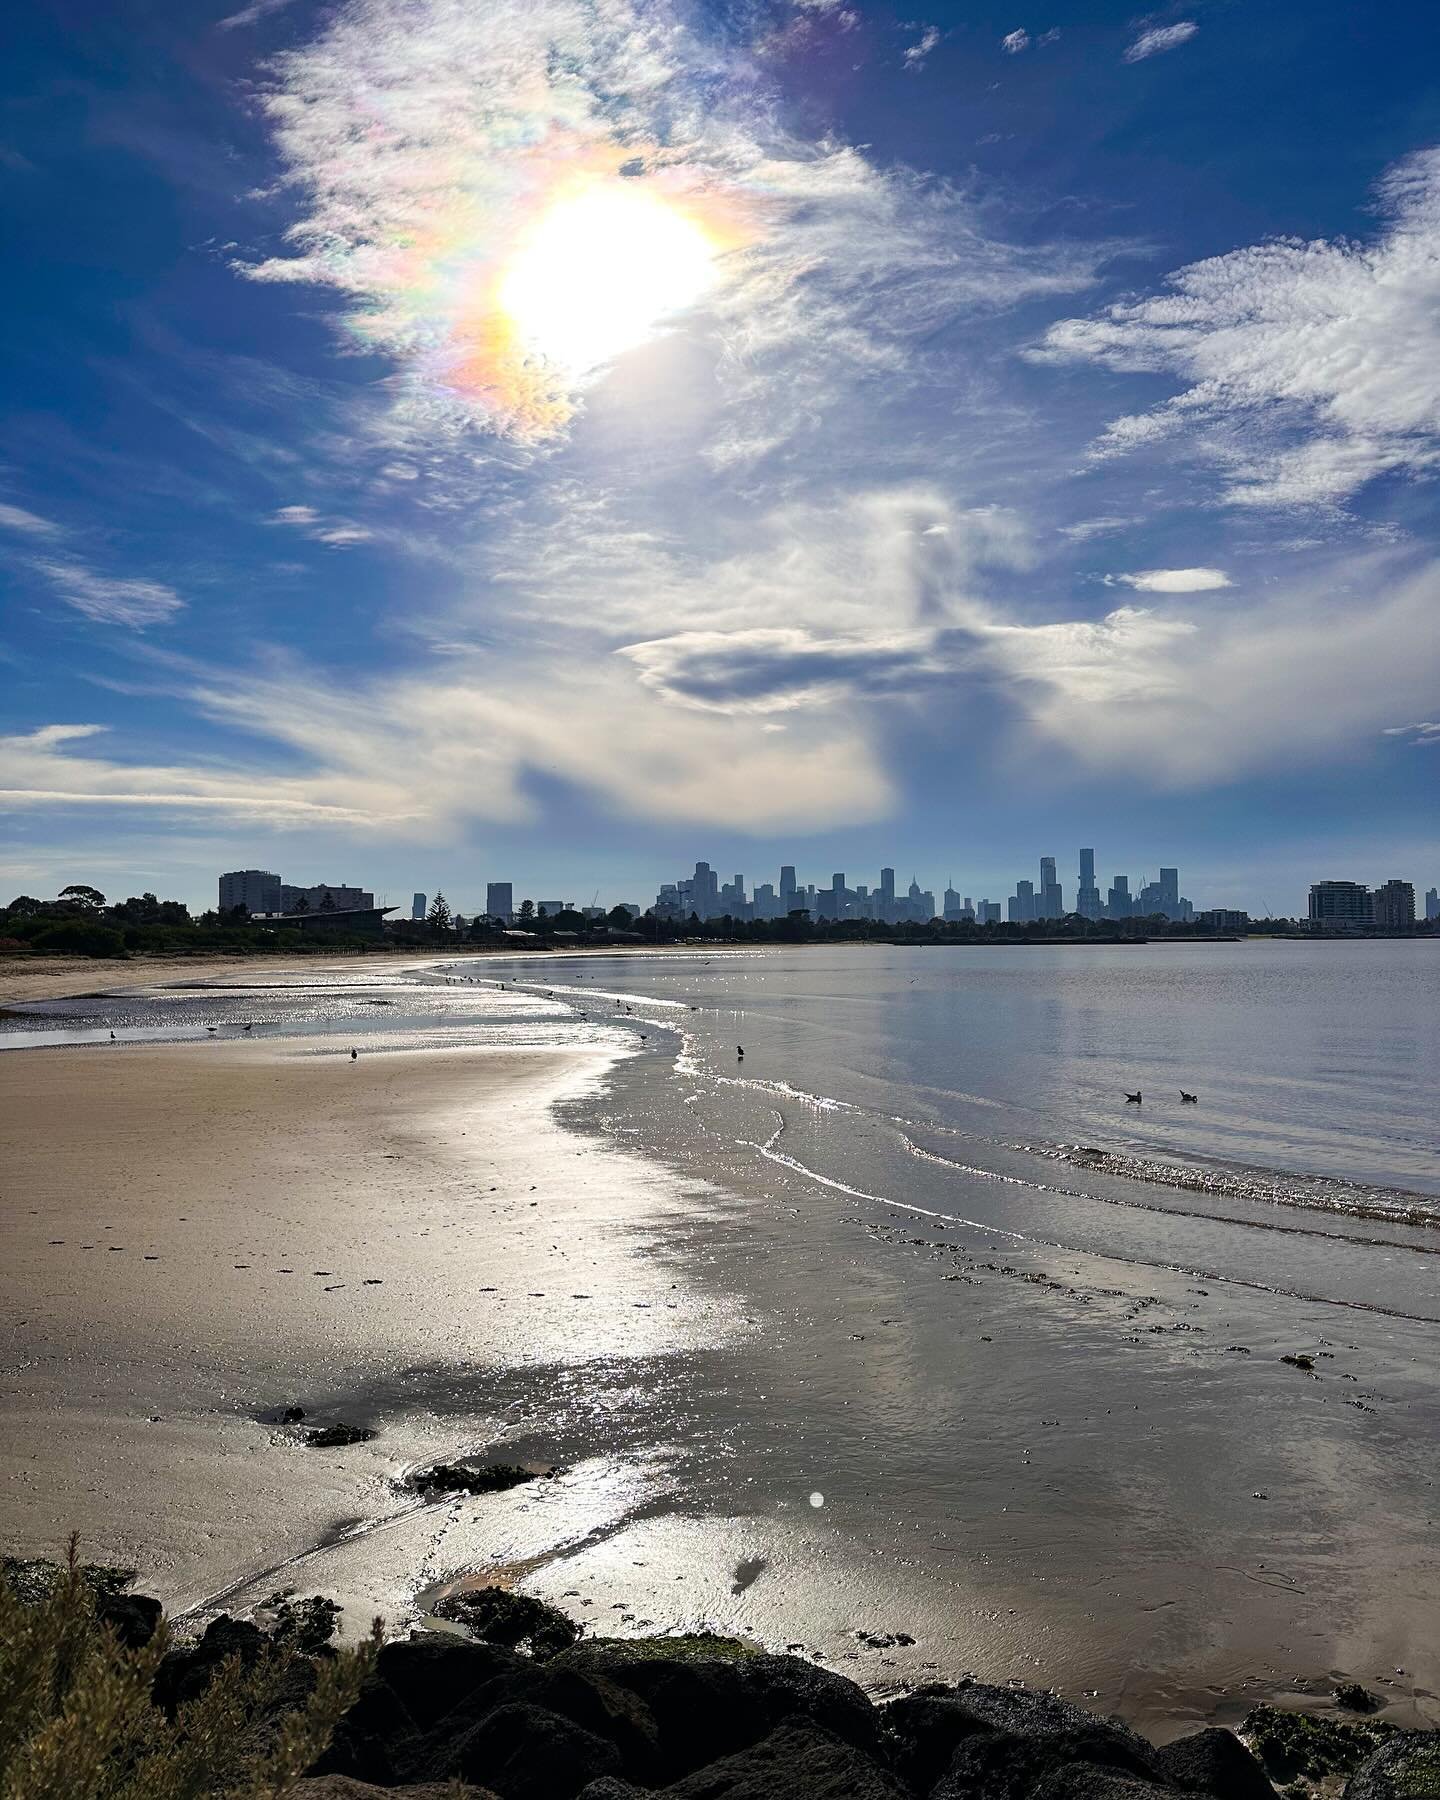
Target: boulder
x=712, y=1697
x=1091, y=1781
x=1214, y=1762
x=431, y=1673
x=1291, y=1744
x=519, y=1621
x=342, y=1787
x=798, y=1761
x=132, y=1617
x=1405, y=1768
x=467, y=1478
x=186, y=1672
x=1000, y=1741
x=611, y=1787
x=527, y=1753
x=336, y=1437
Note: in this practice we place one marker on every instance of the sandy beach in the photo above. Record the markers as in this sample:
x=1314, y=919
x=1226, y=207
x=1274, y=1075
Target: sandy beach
x=198, y=1237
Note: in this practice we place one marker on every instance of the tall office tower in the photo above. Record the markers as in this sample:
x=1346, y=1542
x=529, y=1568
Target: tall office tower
x=1432, y=904
x=764, y=902
x=1118, y=904
x=950, y=905
x=1087, y=896
x=418, y=903
x=1170, y=892
x=1394, y=906
x=788, y=902
x=989, y=912
x=885, y=907
x=257, y=890
x=500, y=900
x=1021, y=904
x=1048, y=901
x=705, y=891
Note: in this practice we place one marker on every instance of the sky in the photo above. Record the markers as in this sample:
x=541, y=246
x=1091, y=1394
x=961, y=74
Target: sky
x=558, y=440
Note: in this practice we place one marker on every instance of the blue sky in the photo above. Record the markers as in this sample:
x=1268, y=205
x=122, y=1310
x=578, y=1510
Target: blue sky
x=556, y=441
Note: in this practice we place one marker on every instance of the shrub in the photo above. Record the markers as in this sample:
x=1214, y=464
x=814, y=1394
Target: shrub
x=77, y=1720
x=80, y=938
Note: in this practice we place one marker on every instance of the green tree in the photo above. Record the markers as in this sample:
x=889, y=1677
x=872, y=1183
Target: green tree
x=303, y=904
x=527, y=910
x=439, y=917
x=618, y=919
x=88, y=897
x=328, y=903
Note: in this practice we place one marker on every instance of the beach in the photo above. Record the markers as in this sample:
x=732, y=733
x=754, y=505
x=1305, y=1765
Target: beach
x=920, y=1398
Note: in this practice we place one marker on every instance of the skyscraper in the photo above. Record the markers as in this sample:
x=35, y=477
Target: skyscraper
x=257, y=890
x=788, y=902
x=500, y=900
x=1021, y=904
x=418, y=903
x=1087, y=896
x=1049, y=903
x=1393, y=906
x=1432, y=904
x=1119, y=904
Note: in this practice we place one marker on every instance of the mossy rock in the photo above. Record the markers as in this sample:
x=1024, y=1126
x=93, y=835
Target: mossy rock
x=1406, y=1767
x=698, y=1646
x=1296, y=1743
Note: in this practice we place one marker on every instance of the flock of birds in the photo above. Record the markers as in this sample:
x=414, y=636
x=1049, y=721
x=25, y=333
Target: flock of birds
x=1185, y=1099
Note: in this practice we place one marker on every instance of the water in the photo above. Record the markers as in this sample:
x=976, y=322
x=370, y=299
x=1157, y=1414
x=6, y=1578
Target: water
x=1023, y=1339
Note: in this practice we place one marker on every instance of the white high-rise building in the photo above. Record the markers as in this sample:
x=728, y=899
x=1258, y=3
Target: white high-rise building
x=257, y=890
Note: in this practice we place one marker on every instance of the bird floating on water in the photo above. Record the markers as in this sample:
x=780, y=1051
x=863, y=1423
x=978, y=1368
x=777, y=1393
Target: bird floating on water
x=1133, y=1099
x=1189, y=1099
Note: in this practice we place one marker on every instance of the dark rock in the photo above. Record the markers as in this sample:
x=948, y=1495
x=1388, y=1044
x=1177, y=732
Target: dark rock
x=1299, y=1362
x=1295, y=1743
x=1407, y=1767
x=1355, y=1698
x=611, y=1787
x=292, y=1415
x=132, y=1617
x=430, y=1674
x=1214, y=1762
x=798, y=1761
x=519, y=1621
x=343, y=1787
x=465, y=1478
x=711, y=1697
x=336, y=1437
x=1092, y=1781
x=995, y=1741
x=185, y=1673
x=527, y=1753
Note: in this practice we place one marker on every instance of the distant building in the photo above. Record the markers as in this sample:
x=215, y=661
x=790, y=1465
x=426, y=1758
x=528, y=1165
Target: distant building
x=356, y=921
x=989, y=912
x=1432, y=904
x=1119, y=902
x=1087, y=896
x=1393, y=906
x=1049, y=903
x=1020, y=907
x=500, y=900
x=952, y=907
x=1221, y=918
x=257, y=890
x=417, y=906
x=324, y=896
x=1341, y=903
x=547, y=909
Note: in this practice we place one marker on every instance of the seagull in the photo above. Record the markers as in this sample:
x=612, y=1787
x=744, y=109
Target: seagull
x=740, y=1053
x=1189, y=1099
x=1132, y=1099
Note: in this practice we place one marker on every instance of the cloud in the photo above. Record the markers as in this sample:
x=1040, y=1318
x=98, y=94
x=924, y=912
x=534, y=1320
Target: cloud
x=251, y=15
x=1015, y=41
x=779, y=670
x=429, y=143
x=28, y=524
x=1424, y=734
x=109, y=599
x=1173, y=581
x=337, y=533
x=918, y=52
x=1311, y=367
x=1160, y=38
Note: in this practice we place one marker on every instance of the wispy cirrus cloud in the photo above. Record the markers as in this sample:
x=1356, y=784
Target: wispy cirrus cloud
x=1311, y=368
x=918, y=53
x=450, y=161
x=1425, y=732
x=1014, y=42
x=1157, y=39
x=110, y=599
x=27, y=524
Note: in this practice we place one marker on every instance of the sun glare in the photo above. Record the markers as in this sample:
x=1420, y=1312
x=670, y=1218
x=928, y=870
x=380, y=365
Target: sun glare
x=600, y=270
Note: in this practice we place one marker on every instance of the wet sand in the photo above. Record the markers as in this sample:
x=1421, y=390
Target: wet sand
x=24, y=979
x=200, y=1236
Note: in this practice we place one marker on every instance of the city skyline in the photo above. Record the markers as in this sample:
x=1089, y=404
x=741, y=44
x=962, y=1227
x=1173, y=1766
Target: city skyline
x=868, y=504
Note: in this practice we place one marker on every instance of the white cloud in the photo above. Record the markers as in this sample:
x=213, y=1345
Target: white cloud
x=1424, y=733
x=916, y=55
x=1311, y=367
x=295, y=515
x=1014, y=42
x=109, y=599
x=1173, y=581
x=337, y=534
x=15, y=518
x=1160, y=38
x=422, y=138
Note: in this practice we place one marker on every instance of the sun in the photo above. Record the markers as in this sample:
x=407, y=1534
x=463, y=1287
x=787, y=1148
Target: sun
x=600, y=270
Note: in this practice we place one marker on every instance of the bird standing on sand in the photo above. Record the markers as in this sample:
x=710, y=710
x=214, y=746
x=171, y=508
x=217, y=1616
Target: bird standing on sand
x=354, y=1056
x=1132, y=1099
x=112, y=1037
x=739, y=1053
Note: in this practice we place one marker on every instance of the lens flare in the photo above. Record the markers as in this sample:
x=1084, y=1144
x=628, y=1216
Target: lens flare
x=600, y=270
